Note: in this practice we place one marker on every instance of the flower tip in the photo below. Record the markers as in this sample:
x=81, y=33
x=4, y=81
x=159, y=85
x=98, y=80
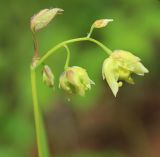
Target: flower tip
x=146, y=70
x=92, y=82
x=110, y=20
x=59, y=10
x=115, y=93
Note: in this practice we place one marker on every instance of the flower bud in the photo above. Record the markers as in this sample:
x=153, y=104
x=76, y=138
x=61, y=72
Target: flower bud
x=48, y=77
x=75, y=80
x=119, y=67
x=101, y=23
x=43, y=18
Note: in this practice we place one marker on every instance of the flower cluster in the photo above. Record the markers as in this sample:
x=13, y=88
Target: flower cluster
x=116, y=69
x=74, y=80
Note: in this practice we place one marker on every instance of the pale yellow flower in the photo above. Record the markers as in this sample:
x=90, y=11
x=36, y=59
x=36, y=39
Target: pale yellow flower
x=119, y=67
x=75, y=80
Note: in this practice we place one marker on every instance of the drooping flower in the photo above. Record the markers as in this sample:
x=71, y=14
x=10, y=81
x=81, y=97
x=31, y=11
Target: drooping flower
x=119, y=67
x=75, y=80
x=43, y=18
x=48, y=77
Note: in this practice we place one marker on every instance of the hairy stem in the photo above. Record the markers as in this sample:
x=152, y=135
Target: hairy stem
x=40, y=131
x=62, y=44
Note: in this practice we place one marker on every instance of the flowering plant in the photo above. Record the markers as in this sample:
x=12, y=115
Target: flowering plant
x=116, y=69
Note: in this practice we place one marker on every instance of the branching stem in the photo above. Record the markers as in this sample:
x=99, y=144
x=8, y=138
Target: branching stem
x=40, y=131
x=62, y=44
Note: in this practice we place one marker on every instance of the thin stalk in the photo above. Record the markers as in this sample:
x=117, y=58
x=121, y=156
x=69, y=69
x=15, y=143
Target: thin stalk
x=35, y=42
x=90, y=32
x=62, y=44
x=40, y=131
x=68, y=56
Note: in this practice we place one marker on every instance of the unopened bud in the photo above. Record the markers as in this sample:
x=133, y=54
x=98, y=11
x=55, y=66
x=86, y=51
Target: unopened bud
x=42, y=19
x=48, y=77
x=101, y=23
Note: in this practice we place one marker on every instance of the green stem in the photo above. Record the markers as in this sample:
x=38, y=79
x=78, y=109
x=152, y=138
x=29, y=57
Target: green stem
x=90, y=32
x=68, y=57
x=40, y=131
x=62, y=44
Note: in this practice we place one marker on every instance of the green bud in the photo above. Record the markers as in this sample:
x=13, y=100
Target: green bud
x=48, y=77
x=75, y=80
x=43, y=18
x=119, y=67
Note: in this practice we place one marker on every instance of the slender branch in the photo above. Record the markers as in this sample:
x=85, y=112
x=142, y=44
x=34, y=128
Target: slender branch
x=68, y=56
x=40, y=131
x=51, y=51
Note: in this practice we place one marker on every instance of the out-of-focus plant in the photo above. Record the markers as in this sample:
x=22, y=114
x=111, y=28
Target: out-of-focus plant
x=118, y=67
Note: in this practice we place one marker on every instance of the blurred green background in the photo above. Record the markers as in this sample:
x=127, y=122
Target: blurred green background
x=97, y=125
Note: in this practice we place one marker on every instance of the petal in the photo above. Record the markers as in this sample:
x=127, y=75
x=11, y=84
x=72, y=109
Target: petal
x=105, y=66
x=125, y=55
x=112, y=82
x=125, y=59
x=81, y=91
x=140, y=69
x=109, y=72
x=129, y=61
x=76, y=80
